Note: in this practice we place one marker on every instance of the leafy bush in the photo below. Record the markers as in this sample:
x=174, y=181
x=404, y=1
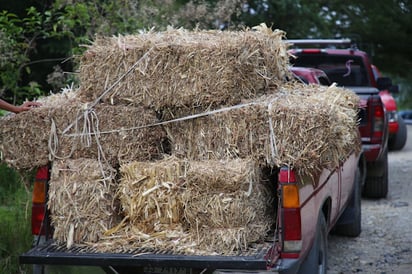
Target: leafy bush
x=15, y=236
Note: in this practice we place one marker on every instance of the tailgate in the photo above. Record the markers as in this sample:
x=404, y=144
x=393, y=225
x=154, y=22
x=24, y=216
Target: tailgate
x=52, y=254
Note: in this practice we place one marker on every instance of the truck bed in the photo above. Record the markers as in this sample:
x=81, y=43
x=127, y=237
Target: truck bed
x=52, y=254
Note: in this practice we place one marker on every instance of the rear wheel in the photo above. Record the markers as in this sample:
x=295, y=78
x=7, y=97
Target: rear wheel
x=376, y=184
x=350, y=222
x=316, y=261
x=399, y=140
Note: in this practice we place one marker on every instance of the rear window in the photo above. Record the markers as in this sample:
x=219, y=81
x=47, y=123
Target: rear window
x=345, y=70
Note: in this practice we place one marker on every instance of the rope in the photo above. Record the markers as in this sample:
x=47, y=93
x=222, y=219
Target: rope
x=190, y=117
x=272, y=137
x=89, y=129
x=53, y=143
x=100, y=153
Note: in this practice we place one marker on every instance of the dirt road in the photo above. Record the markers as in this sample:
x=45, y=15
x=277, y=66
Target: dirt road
x=385, y=244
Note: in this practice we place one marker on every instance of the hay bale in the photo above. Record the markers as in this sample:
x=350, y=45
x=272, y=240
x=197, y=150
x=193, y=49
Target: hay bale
x=22, y=139
x=228, y=204
x=114, y=133
x=108, y=133
x=81, y=200
x=306, y=127
x=181, y=68
x=150, y=194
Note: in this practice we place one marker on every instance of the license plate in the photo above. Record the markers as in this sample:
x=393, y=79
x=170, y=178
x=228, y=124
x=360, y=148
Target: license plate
x=167, y=270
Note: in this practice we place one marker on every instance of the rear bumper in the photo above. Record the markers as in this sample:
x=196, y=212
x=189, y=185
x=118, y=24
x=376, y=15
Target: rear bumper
x=50, y=254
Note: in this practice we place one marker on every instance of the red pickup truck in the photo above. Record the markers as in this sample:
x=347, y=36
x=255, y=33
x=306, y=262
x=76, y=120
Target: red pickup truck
x=298, y=244
x=305, y=214
x=351, y=68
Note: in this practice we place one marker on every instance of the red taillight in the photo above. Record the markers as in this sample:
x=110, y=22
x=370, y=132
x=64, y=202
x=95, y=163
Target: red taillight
x=42, y=173
x=290, y=214
x=38, y=213
x=286, y=176
x=38, y=217
x=292, y=225
x=378, y=124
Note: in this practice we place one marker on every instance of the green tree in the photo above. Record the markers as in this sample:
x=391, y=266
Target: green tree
x=17, y=38
x=383, y=28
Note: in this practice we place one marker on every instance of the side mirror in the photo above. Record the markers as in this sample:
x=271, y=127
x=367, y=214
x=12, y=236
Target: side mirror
x=384, y=83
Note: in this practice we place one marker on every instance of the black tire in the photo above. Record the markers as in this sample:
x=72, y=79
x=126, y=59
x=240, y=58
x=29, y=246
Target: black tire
x=350, y=222
x=376, y=183
x=316, y=261
x=398, y=141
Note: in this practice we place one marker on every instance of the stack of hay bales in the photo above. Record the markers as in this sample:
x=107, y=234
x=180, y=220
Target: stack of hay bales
x=222, y=102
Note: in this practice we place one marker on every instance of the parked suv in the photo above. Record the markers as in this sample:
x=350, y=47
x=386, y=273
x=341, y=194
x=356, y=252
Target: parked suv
x=350, y=67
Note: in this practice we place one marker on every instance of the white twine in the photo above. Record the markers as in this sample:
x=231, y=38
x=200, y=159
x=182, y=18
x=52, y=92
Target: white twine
x=53, y=144
x=190, y=117
x=89, y=129
x=249, y=191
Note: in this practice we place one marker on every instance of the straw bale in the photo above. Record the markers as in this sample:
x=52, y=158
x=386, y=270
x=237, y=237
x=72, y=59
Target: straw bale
x=22, y=141
x=306, y=127
x=229, y=240
x=181, y=68
x=105, y=132
x=81, y=200
x=126, y=238
x=24, y=137
x=113, y=133
x=224, y=193
x=228, y=204
x=150, y=194
x=66, y=95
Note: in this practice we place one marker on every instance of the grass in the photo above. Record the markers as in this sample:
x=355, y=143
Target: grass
x=15, y=221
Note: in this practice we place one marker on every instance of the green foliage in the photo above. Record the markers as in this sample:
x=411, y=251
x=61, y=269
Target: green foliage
x=18, y=37
x=15, y=236
x=403, y=98
x=21, y=38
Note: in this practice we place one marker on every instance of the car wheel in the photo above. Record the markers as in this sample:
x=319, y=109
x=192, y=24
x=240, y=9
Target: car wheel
x=350, y=222
x=316, y=261
x=399, y=140
x=376, y=183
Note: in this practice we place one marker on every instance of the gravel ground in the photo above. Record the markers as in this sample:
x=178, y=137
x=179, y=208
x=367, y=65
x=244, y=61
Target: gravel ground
x=385, y=244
